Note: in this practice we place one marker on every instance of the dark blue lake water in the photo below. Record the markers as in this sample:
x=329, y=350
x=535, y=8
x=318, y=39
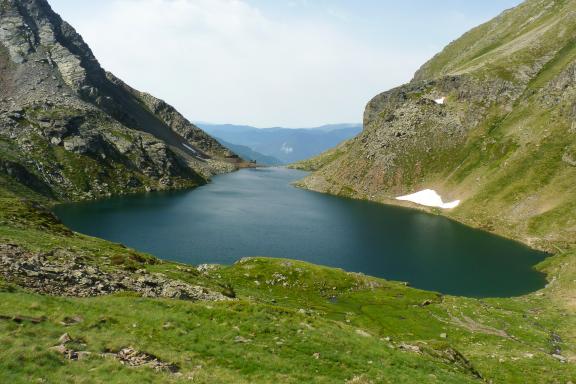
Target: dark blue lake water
x=256, y=212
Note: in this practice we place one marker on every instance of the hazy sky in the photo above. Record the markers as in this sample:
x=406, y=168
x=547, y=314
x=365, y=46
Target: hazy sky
x=295, y=63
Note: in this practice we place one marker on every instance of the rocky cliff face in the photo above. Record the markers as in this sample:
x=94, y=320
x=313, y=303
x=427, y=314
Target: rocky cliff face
x=502, y=141
x=80, y=132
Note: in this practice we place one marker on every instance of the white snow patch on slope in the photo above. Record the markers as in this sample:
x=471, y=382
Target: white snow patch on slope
x=189, y=148
x=286, y=148
x=429, y=198
x=440, y=100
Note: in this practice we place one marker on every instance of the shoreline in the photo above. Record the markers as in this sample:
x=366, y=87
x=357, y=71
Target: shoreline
x=438, y=212
x=417, y=278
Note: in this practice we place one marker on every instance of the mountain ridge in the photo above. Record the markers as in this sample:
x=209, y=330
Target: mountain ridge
x=286, y=144
x=249, y=154
x=59, y=104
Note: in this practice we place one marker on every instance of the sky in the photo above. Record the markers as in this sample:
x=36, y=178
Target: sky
x=290, y=63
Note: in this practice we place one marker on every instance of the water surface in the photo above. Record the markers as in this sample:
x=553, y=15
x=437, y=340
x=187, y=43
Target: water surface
x=256, y=212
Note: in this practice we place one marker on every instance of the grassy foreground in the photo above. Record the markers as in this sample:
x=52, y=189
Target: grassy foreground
x=291, y=322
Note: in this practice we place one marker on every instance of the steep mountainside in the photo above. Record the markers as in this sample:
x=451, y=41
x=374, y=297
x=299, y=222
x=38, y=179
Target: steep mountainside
x=503, y=141
x=77, y=131
x=286, y=144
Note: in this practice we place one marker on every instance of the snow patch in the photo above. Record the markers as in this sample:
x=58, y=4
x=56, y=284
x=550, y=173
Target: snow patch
x=440, y=100
x=189, y=148
x=286, y=148
x=429, y=198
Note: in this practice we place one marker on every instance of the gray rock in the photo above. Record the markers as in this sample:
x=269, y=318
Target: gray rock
x=133, y=358
x=65, y=338
x=53, y=86
x=68, y=276
x=560, y=358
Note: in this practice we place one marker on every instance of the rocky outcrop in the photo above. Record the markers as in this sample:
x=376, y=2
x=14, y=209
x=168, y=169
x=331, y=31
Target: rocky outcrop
x=134, y=358
x=178, y=123
x=406, y=133
x=126, y=356
x=19, y=173
x=55, y=97
x=63, y=274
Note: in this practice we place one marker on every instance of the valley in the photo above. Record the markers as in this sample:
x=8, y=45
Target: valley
x=280, y=146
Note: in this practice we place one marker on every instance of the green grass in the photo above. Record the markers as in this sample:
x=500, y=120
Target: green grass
x=319, y=161
x=200, y=339
x=497, y=48
x=552, y=68
x=355, y=323
x=288, y=310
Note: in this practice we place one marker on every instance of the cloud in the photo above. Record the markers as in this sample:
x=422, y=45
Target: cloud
x=228, y=61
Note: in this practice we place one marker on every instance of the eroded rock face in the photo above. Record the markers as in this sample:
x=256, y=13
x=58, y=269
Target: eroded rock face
x=54, y=94
x=172, y=118
x=67, y=275
x=406, y=132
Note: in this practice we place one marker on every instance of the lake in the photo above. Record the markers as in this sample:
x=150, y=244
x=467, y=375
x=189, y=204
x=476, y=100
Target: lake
x=257, y=212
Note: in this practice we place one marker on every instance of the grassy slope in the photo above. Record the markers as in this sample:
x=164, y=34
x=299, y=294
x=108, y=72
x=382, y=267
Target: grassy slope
x=288, y=311
x=199, y=337
x=523, y=36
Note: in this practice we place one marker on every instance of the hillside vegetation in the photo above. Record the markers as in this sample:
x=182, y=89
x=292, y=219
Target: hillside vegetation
x=503, y=142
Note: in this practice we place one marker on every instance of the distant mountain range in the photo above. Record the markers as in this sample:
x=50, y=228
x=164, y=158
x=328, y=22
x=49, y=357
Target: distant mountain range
x=248, y=153
x=275, y=146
